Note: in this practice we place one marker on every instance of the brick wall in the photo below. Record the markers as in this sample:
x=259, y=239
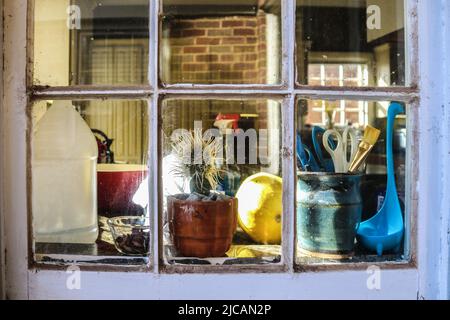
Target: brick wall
x=226, y=50
x=215, y=50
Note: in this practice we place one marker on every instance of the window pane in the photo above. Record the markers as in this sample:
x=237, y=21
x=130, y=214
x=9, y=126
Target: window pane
x=221, y=42
x=222, y=181
x=89, y=164
x=331, y=202
x=351, y=43
x=84, y=42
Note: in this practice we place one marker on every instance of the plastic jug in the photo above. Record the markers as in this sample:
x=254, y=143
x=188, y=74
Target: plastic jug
x=64, y=177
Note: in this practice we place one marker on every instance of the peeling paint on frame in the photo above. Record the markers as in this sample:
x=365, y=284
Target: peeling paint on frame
x=287, y=91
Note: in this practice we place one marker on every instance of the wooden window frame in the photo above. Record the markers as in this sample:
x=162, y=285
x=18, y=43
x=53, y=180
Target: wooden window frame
x=20, y=80
x=288, y=91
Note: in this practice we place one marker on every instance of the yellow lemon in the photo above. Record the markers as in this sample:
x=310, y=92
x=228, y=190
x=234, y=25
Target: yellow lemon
x=260, y=207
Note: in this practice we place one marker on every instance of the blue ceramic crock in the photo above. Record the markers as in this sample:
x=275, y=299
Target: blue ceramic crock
x=329, y=208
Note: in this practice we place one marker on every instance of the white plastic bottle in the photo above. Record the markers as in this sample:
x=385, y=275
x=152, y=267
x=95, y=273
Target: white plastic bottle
x=64, y=178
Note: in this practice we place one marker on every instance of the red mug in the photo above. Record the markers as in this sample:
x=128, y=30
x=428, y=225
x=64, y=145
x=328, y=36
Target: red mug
x=116, y=186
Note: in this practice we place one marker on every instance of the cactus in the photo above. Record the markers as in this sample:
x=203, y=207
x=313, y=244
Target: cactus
x=199, y=160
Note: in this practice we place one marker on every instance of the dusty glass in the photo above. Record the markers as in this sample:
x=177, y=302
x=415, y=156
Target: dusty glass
x=89, y=164
x=355, y=43
x=335, y=199
x=221, y=179
x=221, y=42
x=84, y=42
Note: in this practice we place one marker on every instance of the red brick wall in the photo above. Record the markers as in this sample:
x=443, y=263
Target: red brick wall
x=226, y=50
x=216, y=50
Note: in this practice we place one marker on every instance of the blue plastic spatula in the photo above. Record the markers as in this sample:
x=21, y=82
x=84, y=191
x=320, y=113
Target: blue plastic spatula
x=384, y=231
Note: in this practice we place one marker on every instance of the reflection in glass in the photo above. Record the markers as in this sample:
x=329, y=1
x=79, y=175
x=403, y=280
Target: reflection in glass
x=84, y=42
x=221, y=42
x=331, y=202
x=89, y=163
x=221, y=179
x=356, y=43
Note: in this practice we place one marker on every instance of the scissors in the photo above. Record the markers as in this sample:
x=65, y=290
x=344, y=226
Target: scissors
x=306, y=157
x=327, y=164
x=340, y=153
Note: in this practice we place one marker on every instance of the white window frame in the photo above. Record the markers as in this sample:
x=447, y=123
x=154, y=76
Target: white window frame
x=425, y=275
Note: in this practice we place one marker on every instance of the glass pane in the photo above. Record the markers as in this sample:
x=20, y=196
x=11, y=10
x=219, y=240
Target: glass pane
x=89, y=164
x=222, y=181
x=221, y=42
x=356, y=43
x=83, y=42
x=337, y=194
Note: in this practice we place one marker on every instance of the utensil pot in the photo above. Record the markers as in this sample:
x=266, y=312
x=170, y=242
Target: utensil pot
x=329, y=208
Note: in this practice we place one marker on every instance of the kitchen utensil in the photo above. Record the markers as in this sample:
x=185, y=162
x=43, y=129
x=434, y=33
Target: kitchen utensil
x=317, y=133
x=385, y=230
x=306, y=157
x=329, y=207
x=371, y=136
x=340, y=153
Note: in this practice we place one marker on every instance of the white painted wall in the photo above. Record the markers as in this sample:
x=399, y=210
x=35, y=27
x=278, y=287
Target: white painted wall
x=13, y=153
x=2, y=248
x=445, y=205
x=434, y=146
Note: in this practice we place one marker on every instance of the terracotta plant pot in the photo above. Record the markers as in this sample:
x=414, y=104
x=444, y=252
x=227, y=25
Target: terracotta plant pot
x=202, y=229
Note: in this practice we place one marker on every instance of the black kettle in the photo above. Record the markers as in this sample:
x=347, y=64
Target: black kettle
x=105, y=154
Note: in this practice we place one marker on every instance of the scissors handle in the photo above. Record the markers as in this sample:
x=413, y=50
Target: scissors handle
x=338, y=153
x=349, y=133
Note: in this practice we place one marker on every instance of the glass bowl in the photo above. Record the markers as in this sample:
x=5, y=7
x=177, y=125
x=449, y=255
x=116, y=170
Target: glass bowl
x=131, y=235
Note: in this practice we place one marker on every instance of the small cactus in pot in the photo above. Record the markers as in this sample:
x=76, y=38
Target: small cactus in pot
x=198, y=160
x=202, y=223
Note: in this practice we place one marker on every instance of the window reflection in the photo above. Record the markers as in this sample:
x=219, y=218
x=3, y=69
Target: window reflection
x=89, y=164
x=355, y=43
x=84, y=42
x=222, y=184
x=332, y=202
x=221, y=42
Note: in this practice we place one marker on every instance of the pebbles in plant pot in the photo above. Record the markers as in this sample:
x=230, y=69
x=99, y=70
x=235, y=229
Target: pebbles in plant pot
x=214, y=196
x=195, y=197
x=181, y=196
x=222, y=197
x=209, y=198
